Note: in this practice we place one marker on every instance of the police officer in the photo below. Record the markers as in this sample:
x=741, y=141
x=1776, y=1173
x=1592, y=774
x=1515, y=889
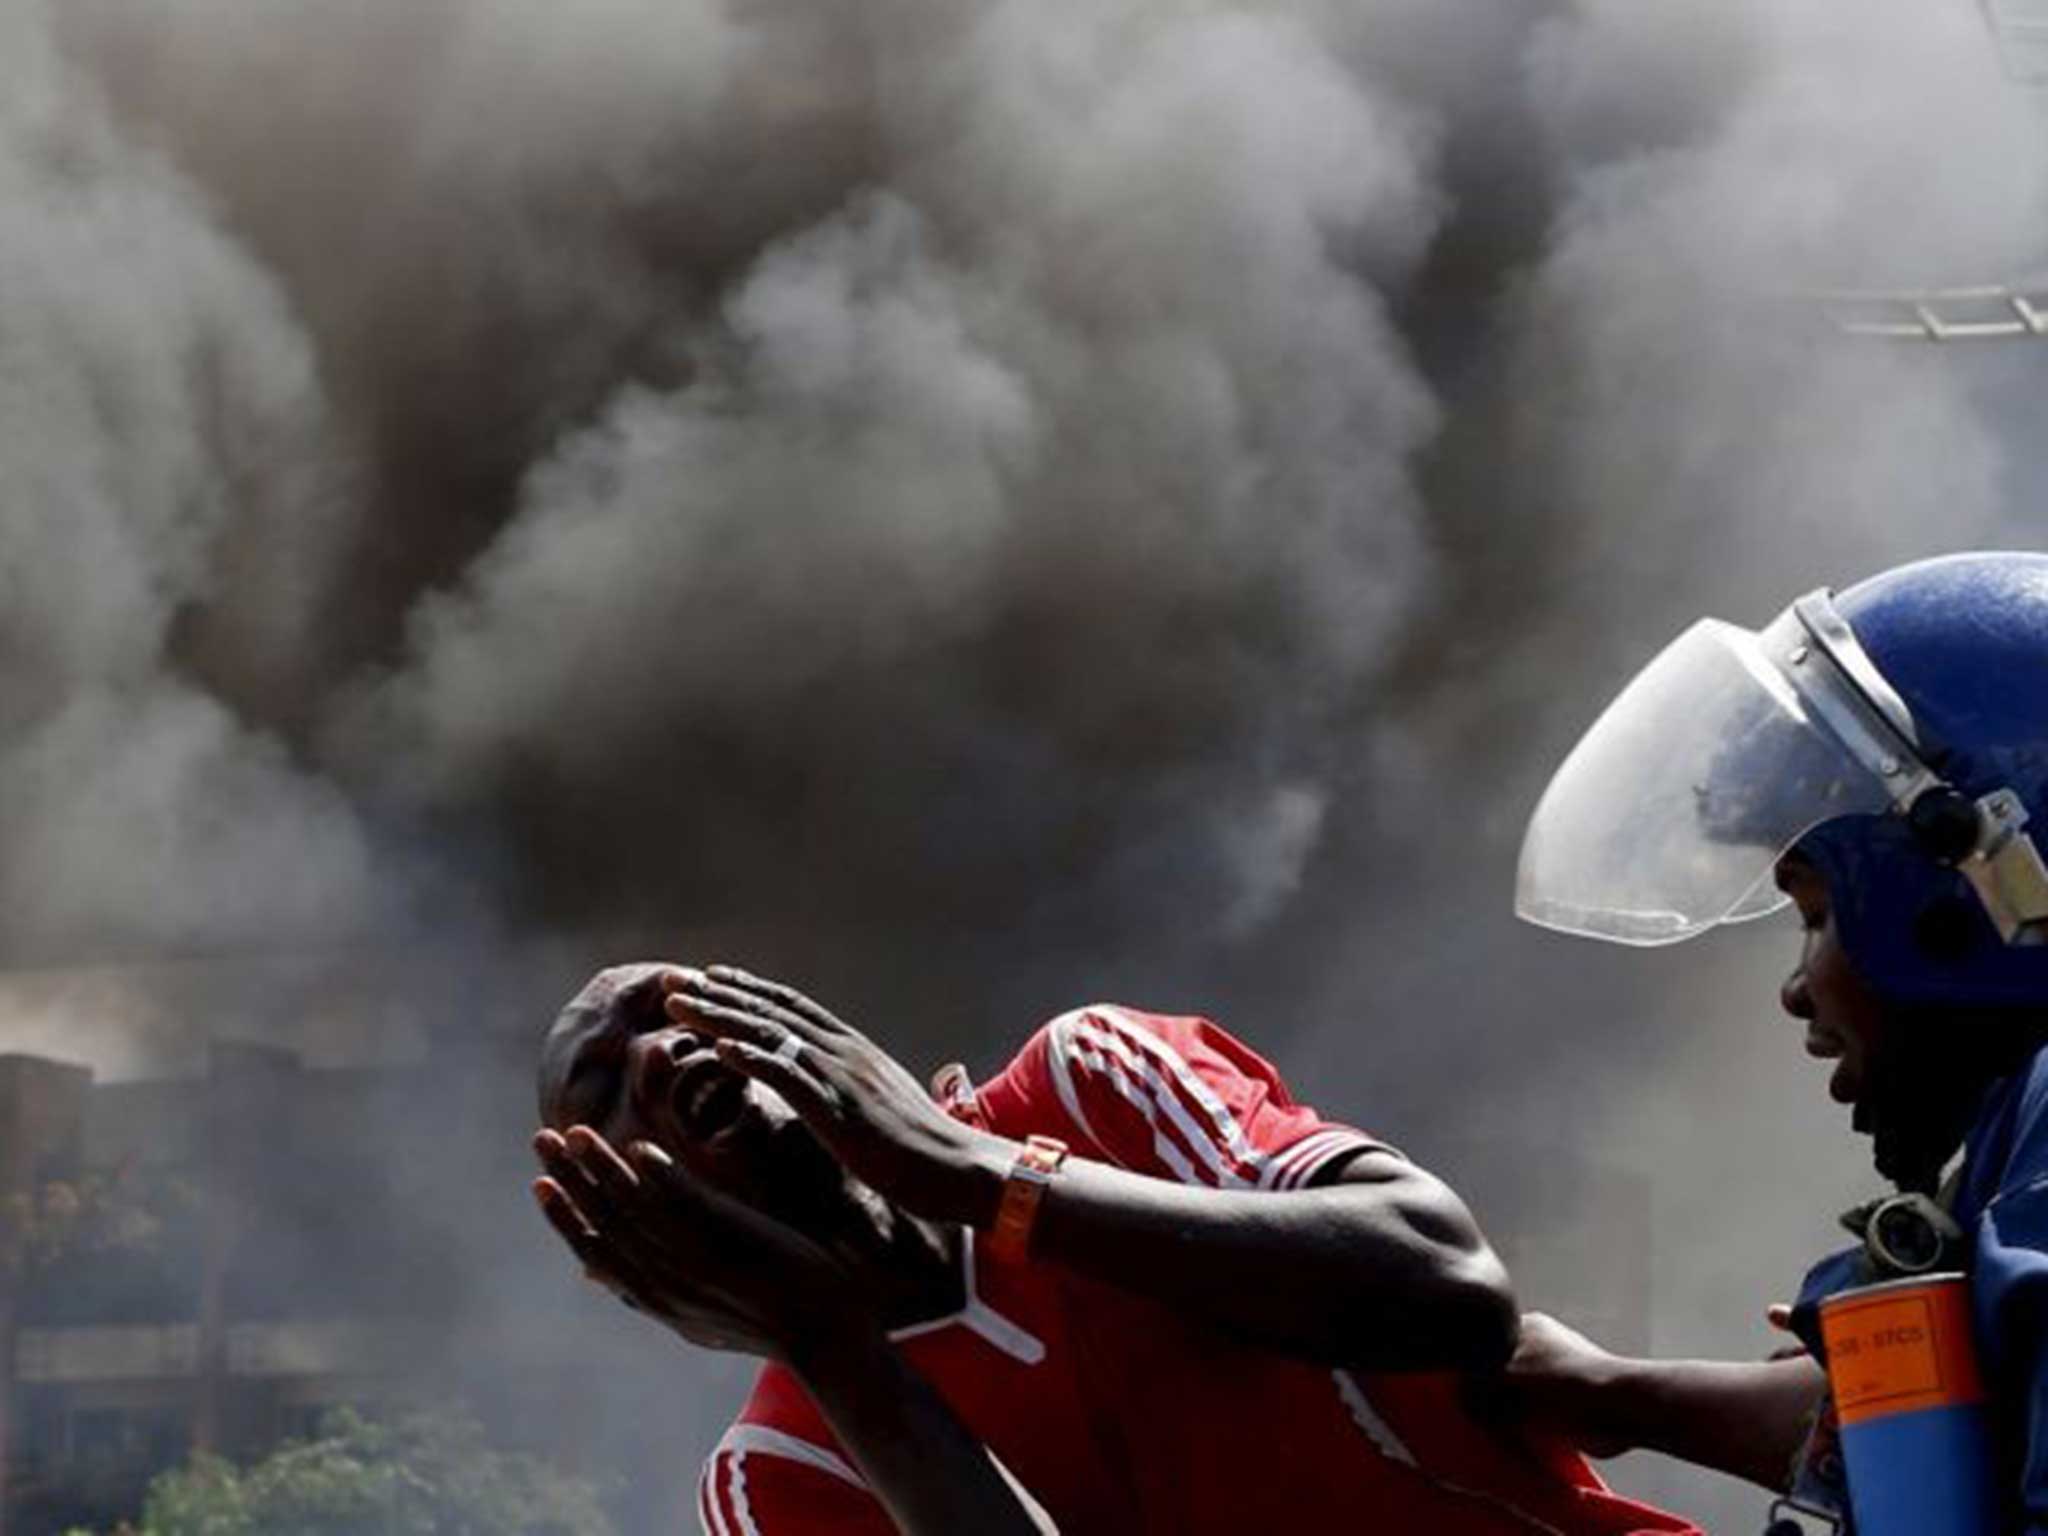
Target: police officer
x=1877, y=759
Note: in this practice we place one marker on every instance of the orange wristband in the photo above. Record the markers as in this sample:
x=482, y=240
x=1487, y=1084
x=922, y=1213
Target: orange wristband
x=1023, y=1190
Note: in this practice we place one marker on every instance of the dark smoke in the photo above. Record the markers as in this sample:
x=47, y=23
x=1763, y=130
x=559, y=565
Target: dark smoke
x=978, y=506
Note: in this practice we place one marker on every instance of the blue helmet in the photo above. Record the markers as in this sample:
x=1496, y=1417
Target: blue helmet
x=1963, y=643
x=1895, y=734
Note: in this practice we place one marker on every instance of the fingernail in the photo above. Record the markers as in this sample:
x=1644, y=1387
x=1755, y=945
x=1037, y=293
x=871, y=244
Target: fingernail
x=653, y=1154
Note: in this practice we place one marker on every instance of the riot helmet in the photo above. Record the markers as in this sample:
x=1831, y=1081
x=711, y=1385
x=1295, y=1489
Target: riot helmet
x=1895, y=734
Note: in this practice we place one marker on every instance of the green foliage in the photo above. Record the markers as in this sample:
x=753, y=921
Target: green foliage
x=423, y=1474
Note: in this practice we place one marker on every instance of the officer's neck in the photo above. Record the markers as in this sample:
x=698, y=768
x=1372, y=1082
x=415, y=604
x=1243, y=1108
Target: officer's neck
x=1929, y=1085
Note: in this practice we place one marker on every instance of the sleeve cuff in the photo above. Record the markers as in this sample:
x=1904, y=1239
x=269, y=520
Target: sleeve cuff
x=1296, y=1166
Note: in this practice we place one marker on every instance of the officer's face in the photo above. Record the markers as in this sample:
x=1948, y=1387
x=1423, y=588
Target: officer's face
x=1844, y=1019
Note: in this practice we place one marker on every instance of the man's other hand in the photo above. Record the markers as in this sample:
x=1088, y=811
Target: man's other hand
x=719, y=1273
x=875, y=1117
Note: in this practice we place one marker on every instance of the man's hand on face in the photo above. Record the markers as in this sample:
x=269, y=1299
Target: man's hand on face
x=716, y=1271
x=872, y=1114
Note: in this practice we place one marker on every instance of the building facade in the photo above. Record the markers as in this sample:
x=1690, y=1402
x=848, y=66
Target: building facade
x=193, y=1268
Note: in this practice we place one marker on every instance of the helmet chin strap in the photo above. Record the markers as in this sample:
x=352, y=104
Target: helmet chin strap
x=1983, y=839
x=1914, y=1110
x=1927, y=1081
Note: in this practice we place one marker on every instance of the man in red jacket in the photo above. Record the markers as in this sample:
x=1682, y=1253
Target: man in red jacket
x=1128, y=1274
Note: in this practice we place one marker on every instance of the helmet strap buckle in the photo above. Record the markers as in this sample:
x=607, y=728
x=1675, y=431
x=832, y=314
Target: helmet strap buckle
x=2007, y=871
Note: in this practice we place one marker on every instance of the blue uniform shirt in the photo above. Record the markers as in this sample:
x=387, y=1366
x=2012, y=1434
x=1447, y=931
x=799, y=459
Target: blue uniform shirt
x=2003, y=1208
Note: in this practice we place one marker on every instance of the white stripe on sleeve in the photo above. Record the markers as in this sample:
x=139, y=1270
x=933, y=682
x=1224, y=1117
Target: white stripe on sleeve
x=1221, y=1135
x=728, y=1511
x=709, y=1511
x=758, y=1439
x=1091, y=1052
x=1060, y=1053
x=1110, y=1047
x=1297, y=1166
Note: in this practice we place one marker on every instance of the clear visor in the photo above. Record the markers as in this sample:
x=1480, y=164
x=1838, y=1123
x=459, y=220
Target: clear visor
x=1669, y=814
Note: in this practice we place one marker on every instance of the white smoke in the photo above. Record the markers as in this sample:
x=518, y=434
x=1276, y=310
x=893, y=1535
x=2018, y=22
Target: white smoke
x=1676, y=375
x=161, y=430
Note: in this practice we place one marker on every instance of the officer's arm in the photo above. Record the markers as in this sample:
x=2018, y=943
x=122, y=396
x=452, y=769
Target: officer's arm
x=1748, y=1419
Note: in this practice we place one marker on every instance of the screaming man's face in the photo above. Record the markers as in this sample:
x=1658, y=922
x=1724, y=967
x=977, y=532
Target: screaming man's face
x=613, y=1060
x=1845, y=1019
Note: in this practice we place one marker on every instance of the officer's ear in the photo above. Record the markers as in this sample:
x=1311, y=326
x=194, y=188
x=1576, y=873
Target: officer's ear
x=1950, y=930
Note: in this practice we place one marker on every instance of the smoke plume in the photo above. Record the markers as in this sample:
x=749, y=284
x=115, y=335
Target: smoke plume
x=979, y=505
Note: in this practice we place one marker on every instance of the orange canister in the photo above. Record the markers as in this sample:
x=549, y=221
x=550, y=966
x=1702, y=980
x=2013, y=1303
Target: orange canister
x=1916, y=1436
